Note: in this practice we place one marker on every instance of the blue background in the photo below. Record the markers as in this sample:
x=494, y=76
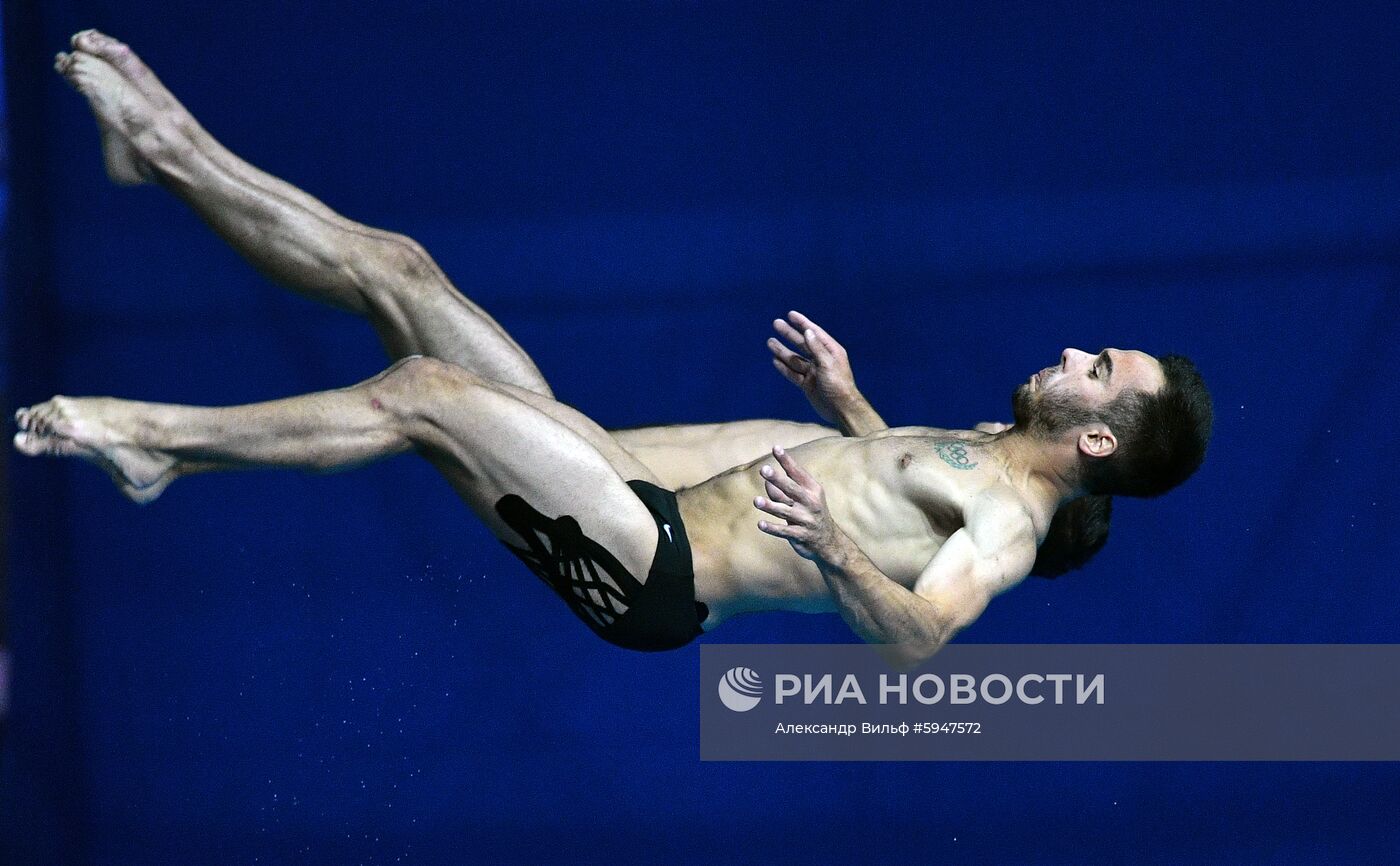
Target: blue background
x=270, y=667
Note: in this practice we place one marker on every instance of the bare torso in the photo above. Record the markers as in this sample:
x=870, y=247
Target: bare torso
x=898, y=494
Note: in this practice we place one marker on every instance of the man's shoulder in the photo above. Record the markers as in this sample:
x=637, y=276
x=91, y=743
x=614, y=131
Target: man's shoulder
x=1001, y=506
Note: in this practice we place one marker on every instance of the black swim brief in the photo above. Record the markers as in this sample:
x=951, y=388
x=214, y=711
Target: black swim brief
x=660, y=614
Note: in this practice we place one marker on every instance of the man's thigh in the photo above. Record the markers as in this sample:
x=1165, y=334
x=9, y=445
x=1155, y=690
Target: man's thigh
x=621, y=459
x=494, y=441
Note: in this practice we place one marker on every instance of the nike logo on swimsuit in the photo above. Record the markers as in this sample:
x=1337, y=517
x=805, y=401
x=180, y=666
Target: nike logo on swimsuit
x=667, y=527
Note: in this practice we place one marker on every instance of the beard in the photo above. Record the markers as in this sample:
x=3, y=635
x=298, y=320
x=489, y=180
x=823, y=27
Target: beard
x=1046, y=414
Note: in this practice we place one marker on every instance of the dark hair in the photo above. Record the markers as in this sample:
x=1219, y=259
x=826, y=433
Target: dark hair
x=1077, y=532
x=1162, y=436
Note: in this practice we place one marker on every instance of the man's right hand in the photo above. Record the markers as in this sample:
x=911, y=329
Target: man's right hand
x=816, y=363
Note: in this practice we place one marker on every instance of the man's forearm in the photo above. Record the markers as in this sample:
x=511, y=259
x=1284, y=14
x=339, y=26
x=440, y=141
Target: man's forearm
x=856, y=417
x=879, y=610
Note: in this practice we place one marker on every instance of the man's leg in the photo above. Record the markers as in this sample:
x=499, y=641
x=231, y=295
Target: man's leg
x=147, y=135
x=295, y=239
x=489, y=440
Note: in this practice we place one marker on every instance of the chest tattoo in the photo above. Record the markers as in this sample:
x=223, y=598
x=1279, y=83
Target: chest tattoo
x=954, y=453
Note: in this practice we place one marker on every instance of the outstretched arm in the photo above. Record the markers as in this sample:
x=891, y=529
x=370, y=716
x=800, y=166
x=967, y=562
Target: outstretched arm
x=994, y=549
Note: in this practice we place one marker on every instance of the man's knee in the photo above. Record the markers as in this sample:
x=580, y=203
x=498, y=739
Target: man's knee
x=401, y=265
x=416, y=385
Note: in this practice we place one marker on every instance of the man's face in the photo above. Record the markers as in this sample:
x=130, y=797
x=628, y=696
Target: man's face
x=1076, y=389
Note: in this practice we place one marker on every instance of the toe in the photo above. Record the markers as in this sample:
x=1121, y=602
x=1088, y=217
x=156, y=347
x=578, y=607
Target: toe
x=80, y=70
x=84, y=40
x=72, y=64
x=27, y=444
x=65, y=63
x=104, y=46
x=120, y=56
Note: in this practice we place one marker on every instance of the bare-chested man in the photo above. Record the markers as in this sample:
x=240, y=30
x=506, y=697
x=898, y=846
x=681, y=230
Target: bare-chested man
x=907, y=533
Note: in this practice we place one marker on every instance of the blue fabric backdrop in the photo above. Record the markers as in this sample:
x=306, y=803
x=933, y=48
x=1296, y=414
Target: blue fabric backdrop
x=283, y=668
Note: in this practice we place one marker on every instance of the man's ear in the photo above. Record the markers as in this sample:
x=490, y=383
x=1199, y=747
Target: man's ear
x=1097, y=441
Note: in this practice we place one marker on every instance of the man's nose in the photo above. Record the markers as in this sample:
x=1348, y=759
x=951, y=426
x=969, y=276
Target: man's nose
x=1069, y=355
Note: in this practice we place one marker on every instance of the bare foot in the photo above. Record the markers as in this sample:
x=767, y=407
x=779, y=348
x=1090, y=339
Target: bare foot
x=76, y=427
x=120, y=57
x=136, y=115
x=122, y=113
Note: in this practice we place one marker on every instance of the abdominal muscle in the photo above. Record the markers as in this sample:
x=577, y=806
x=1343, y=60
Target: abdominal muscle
x=739, y=568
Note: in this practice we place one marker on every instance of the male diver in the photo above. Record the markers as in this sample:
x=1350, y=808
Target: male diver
x=907, y=533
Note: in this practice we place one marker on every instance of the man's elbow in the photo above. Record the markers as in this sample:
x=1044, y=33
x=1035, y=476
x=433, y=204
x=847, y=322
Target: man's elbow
x=909, y=654
x=919, y=638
